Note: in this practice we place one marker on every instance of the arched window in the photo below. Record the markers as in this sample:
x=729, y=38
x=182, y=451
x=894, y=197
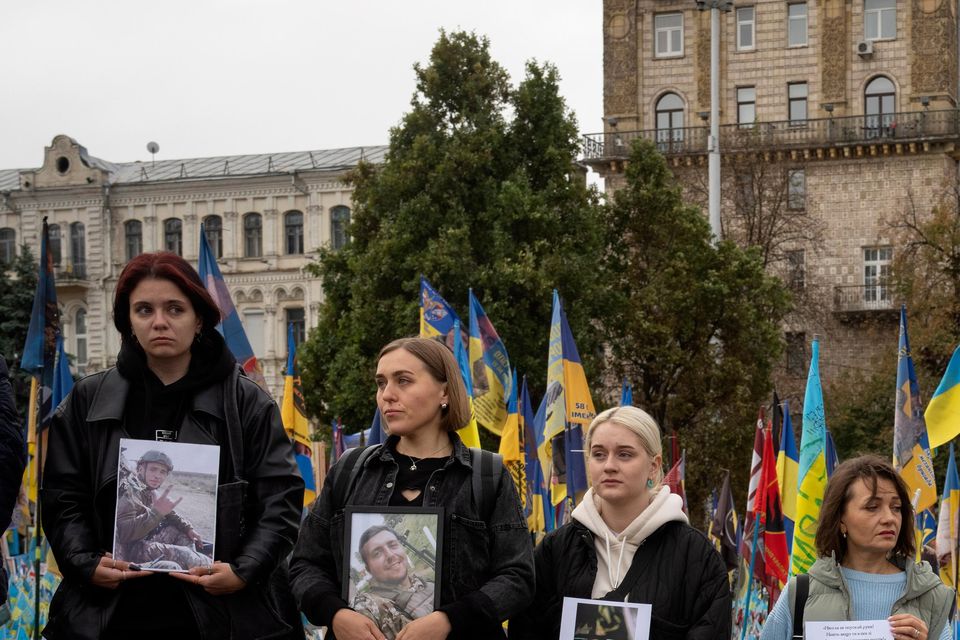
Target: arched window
x=339, y=219
x=81, y=340
x=878, y=106
x=669, y=123
x=293, y=230
x=78, y=249
x=53, y=244
x=8, y=245
x=252, y=235
x=173, y=235
x=133, y=237
x=213, y=228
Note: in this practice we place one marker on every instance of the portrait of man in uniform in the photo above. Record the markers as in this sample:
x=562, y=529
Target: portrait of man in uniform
x=393, y=568
x=150, y=531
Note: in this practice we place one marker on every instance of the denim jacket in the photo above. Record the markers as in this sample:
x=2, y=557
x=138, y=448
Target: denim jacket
x=487, y=570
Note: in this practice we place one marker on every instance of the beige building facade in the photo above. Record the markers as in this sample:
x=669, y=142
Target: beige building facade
x=856, y=100
x=265, y=217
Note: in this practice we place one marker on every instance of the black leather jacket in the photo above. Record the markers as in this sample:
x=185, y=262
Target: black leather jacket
x=80, y=491
x=486, y=564
x=685, y=582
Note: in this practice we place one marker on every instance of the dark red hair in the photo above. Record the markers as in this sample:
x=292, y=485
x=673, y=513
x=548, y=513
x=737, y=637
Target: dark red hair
x=163, y=265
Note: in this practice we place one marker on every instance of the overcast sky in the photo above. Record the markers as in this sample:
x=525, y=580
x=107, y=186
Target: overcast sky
x=220, y=77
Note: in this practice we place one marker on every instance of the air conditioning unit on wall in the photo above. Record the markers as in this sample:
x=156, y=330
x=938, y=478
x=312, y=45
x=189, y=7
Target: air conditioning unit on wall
x=865, y=48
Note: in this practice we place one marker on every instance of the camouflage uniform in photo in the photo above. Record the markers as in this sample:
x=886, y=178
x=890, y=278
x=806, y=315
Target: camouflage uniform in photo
x=392, y=608
x=146, y=537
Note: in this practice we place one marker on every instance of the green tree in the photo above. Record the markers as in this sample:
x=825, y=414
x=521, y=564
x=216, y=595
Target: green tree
x=693, y=325
x=478, y=189
x=18, y=283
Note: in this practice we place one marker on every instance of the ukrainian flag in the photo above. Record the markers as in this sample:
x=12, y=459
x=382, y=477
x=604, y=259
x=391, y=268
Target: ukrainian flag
x=947, y=531
x=490, y=366
x=469, y=433
x=294, y=415
x=511, y=445
x=943, y=412
x=788, y=472
x=812, y=472
x=436, y=316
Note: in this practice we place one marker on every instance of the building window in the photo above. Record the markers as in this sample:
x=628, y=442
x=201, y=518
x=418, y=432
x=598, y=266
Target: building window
x=879, y=19
x=668, y=34
x=78, y=250
x=297, y=318
x=746, y=200
x=252, y=235
x=796, y=189
x=797, y=24
x=293, y=230
x=8, y=245
x=213, y=229
x=796, y=269
x=253, y=323
x=80, y=320
x=173, y=235
x=796, y=352
x=746, y=29
x=797, y=98
x=879, y=99
x=339, y=219
x=54, y=248
x=669, y=123
x=746, y=106
x=876, y=275
x=133, y=234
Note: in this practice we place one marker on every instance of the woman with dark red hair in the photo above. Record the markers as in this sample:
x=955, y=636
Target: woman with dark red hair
x=175, y=380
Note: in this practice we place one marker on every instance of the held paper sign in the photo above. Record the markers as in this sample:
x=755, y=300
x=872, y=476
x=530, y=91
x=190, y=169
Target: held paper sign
x=848, y=630
x=604, y=620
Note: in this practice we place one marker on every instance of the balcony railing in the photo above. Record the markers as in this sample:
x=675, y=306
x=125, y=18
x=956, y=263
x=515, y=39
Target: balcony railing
x=72, y=271
x=905, y=127
x=860, y=298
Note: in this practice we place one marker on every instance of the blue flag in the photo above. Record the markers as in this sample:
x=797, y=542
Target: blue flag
x=230, y=325
x=626, y=394
x=377, y=436
x=40, y=347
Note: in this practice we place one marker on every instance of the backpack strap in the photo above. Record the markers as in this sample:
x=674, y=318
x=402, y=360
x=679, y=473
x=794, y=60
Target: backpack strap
x=349, y=467
x=486, y=480
x=231, y=407
x=800, y=602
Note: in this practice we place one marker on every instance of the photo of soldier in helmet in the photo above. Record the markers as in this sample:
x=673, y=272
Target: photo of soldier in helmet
x=149, y=531
x=394, y=595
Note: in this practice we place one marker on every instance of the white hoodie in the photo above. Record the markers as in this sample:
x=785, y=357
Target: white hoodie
x=615, y=551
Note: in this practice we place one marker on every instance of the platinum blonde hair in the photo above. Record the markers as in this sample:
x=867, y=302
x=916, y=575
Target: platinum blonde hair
x=639, y=422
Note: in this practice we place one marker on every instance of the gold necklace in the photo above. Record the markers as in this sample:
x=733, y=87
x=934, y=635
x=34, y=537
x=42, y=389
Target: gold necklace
x=414, y=461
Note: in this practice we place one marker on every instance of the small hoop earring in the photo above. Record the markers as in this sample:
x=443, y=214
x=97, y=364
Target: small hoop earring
x=649, y=483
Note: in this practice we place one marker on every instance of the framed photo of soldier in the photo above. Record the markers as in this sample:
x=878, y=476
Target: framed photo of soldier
x=166, y=516
x=392, y=563
x=584, y=619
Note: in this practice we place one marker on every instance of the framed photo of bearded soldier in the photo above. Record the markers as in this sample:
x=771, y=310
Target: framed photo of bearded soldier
x=392, y=563
x=166, y=504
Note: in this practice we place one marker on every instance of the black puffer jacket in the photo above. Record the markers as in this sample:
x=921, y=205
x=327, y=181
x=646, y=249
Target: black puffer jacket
x=685, y=581
x=80, y=491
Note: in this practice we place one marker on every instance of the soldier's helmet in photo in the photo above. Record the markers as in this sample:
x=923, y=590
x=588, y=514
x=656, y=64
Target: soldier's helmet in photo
x=156, y=456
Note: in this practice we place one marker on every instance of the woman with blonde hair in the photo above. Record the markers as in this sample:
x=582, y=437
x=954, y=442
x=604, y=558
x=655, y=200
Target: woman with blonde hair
x=629, y=540
x=487, y=569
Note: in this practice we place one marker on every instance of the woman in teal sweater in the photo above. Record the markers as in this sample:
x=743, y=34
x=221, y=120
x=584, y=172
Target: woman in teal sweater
x=866, y=569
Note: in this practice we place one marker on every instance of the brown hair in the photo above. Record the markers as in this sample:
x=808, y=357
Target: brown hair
x=442, y=367
x=163, y=265
x=870, y=469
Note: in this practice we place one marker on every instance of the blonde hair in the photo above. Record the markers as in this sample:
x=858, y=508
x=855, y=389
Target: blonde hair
x=640, y=423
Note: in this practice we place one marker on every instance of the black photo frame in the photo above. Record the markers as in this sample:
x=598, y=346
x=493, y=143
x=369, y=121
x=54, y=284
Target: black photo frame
x=393, y=577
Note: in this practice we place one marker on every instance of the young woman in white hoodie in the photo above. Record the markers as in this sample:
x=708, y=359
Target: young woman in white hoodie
x=629, y=540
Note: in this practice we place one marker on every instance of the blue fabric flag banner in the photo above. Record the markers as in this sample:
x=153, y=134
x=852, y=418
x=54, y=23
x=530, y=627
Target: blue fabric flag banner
x=436, y=316
x=626, y=394
x=490, y=367
x=40, y=347
x=230, y=325
x=377, y=436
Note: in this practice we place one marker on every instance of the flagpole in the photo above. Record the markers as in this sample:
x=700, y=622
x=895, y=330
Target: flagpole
x=36, y=521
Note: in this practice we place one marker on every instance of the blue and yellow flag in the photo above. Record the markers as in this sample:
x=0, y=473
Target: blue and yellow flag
x=436, y=316
x=537, y=495
x=511, y=445
x=911, y=447
x=943, y=412
x=812, y=471
x=542, y=491
x=230, y=325
x=569, y=410
x=788, y=471
x=948, y=530
x=294, y=414
x=490, y=366
x=469, y=433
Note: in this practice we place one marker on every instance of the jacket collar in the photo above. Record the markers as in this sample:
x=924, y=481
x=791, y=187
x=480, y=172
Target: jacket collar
x=461, y=453
x=920, y=578
x=111, y=396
